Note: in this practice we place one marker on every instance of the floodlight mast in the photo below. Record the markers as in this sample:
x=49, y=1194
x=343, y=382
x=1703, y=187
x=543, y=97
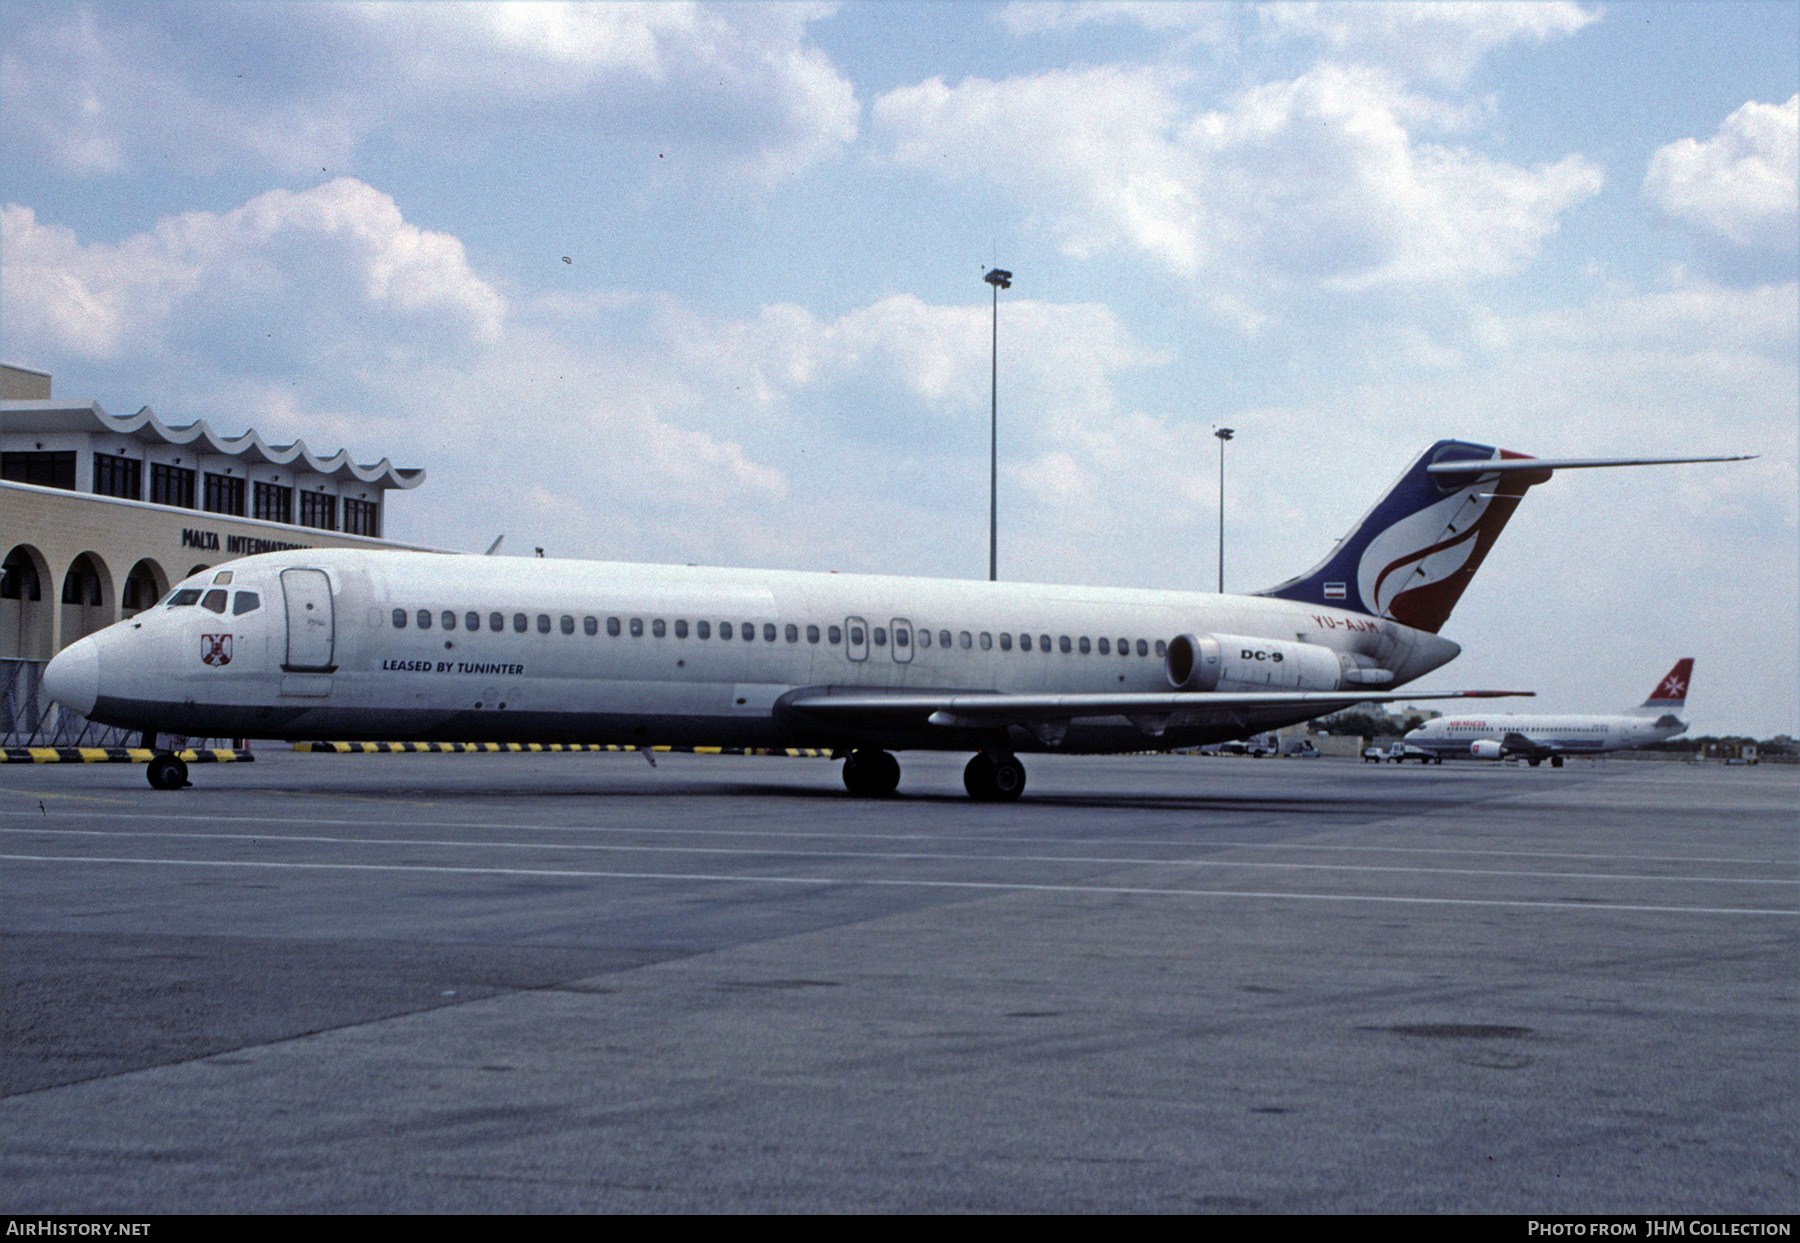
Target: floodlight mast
x=1224, y=434
x=1000, y=279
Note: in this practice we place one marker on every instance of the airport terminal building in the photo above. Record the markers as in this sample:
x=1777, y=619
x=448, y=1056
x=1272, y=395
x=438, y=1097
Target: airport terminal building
x=100, y=514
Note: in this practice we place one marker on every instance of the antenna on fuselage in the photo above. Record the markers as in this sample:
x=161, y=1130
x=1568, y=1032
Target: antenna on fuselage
x=495, y=546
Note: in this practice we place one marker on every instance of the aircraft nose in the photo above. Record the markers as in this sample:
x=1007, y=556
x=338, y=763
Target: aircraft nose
x=73, y=676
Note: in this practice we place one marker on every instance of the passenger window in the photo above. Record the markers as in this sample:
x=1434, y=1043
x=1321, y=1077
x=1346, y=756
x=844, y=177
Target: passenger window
x=899, y=636
x=543, y=623
x=1063, y=643
x=213, y=601
x=943, y=638
x=703, y=630
x=987, y=641
x=792, y=633
x=966, y=640
x=659, y=628
x=748, y=630
x=399, y=617
x=856, y=636
x=637, y=627
x=881, y=636
x=1143, y=648
x=1024, y=643
x=612, y=627
x=1084, y=645
x=1105, y=648
x=496, y=622
x=812, y=634
x=424, y=619
x=1162, y=649
x=520, y=622
x=1124, y=647
x=1005, y=642
x=724, y=630
x=448, y=620
x=1043, y=643
x=471, y=621
x=589, y=626
x=245, y=602
x=768, y=632
x=681, y=627
x=834, y=635
x=924, y=638
x=187, y=596
x=568, y=624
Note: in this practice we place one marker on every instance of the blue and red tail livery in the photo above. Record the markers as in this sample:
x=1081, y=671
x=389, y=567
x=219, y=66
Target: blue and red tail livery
x=1412, y=555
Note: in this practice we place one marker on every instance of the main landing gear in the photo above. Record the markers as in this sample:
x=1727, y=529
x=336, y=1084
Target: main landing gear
x=871, y=774
x=167, y=772
x=994, y=778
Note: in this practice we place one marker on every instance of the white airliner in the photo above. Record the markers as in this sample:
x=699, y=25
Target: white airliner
x=379, y=645
x=1536, y=738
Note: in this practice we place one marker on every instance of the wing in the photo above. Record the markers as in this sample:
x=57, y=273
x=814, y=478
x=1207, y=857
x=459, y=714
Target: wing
x=1519, y=744
x=1150, y=712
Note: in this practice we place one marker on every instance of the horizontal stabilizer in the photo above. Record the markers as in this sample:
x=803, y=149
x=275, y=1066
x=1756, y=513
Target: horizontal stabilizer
x=1568, y=463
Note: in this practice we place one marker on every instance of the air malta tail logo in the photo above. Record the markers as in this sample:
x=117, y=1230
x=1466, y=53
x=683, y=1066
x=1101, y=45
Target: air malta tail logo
x=1673, y=687
x=215, y=649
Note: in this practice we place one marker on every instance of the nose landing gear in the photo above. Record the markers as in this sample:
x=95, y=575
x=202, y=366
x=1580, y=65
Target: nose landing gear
x=167, y=772
x=994, y=778
x=871, y=774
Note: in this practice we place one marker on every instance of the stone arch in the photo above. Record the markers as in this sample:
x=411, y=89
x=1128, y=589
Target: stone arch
x=88, y=598
x=147, y=583
x=25, y=605
x=199, y=569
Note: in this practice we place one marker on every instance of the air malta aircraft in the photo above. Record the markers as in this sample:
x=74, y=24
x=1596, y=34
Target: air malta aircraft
x=419, y=646
x=1539, y=738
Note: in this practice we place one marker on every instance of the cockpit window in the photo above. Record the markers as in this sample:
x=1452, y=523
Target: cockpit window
x=222, y=578
x=214, y=600
x=184, y=597
x=245, y=602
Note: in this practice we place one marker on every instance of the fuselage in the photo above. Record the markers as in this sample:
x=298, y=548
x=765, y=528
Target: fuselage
x=379, y=645
x=1569, y=734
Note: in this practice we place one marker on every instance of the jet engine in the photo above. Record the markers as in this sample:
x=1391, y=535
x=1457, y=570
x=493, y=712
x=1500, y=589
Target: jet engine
x=1487, y=749
x=1235, y=662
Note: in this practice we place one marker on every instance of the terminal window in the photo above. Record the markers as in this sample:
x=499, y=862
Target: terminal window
x=47, y=470
x=224, y=494
x=359, y=517
x=171, y=485
x=118, y=476
x=318, y=509
x=274, y=502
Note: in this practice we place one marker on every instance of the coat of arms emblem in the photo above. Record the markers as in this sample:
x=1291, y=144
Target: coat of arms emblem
x=215, y=649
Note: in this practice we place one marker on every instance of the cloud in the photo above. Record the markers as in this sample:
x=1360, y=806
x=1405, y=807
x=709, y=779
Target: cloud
x=296, y=87
x=1441, y=42
x=332, y=272
x=1318, y=180
x=1738, y=185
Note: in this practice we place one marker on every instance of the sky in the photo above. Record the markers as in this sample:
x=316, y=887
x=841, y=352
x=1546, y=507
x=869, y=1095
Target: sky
x=703, y=283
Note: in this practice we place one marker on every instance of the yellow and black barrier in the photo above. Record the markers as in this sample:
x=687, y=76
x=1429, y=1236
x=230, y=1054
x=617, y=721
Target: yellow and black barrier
x=459, y=748
x=122, y=755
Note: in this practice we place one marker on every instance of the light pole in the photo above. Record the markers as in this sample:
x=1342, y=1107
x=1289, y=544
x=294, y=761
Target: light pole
x=1224, y=434
x=1000, y=279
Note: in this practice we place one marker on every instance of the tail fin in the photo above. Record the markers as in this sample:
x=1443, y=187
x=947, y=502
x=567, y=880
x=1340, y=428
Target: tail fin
x=1412, y=555
x=1670, y=694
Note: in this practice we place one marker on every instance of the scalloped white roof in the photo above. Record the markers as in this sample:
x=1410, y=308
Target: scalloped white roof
x=58, y=416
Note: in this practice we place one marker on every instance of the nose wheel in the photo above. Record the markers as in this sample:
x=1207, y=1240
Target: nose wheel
x=167, y=772
x=994, y=778
x=871, y=774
